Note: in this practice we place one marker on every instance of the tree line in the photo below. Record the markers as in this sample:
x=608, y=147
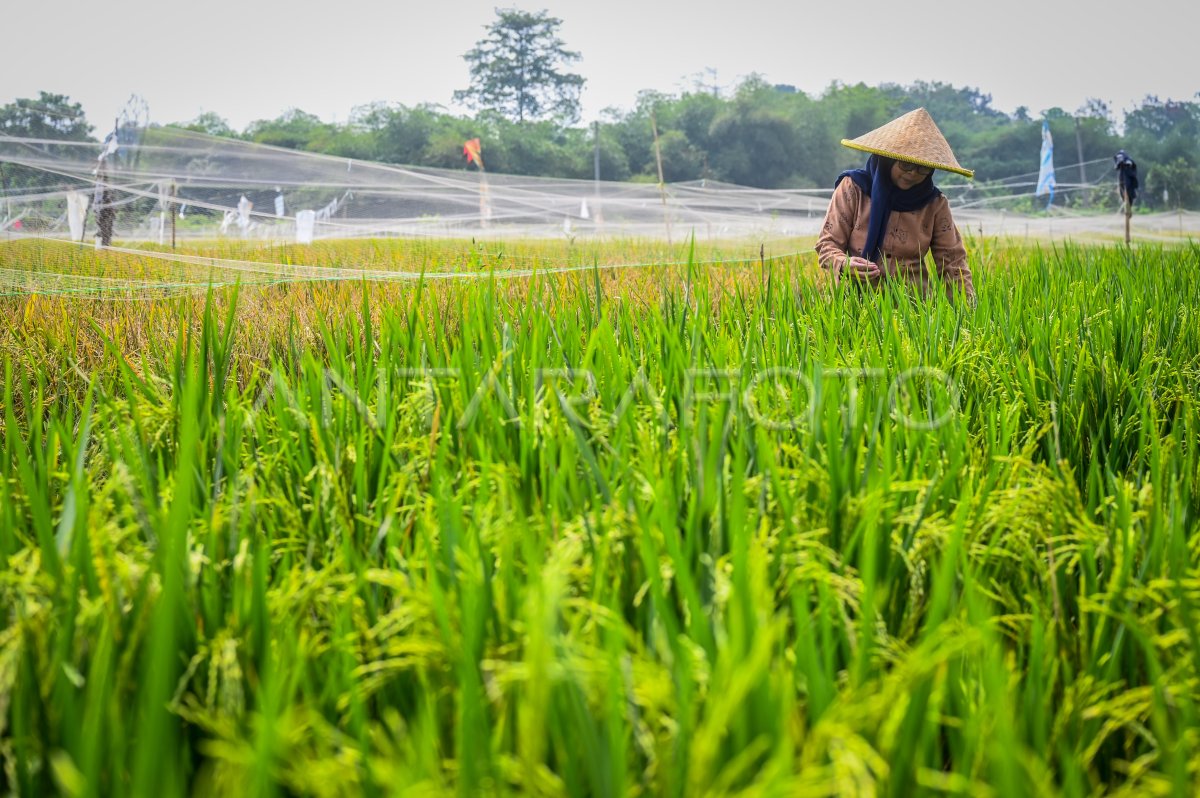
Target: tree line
x=758, y=134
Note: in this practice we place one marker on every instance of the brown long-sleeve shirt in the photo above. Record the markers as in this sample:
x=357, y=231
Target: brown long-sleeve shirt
x=909, y=237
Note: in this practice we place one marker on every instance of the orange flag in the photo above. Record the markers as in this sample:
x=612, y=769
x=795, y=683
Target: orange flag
x=473, y=150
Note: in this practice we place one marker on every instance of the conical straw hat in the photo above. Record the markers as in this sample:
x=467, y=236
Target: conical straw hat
x=912, y=137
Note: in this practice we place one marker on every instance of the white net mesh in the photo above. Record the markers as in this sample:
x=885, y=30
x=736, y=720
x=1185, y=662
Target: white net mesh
x=251, y=191
x=185, y=210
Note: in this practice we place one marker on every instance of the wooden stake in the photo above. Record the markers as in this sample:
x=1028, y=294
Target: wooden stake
x=1083, y=197
x=596, y=155
x=484, y=200
x=597, y=212
x=105, y=213
x=1128, y=212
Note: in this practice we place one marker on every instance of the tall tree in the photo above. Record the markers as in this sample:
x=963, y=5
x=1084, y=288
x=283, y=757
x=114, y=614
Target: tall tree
x=519, y=69
x=50, y=116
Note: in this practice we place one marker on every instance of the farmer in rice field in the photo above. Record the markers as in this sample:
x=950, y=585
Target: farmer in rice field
x=886, y=217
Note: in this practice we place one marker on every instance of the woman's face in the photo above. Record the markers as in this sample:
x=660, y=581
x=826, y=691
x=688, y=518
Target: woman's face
x=905, y=180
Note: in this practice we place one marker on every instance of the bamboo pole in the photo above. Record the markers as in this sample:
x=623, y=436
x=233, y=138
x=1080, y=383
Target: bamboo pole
x=1083, y=195
x=485, y=204
x=597, y=213
x=662, y=186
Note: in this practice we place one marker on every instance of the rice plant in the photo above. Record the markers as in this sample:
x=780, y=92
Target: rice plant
x=689, y=529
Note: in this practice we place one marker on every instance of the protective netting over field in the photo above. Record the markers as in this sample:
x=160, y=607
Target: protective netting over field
x=185, y=210
x=230, y=188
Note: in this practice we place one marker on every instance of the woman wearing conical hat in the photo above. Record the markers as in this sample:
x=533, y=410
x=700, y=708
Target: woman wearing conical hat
x=885, y=219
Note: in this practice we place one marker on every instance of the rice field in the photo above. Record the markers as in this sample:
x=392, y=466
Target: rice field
x=691, y=528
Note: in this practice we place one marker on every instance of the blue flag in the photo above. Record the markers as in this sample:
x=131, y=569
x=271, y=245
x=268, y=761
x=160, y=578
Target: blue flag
x=1045, y=184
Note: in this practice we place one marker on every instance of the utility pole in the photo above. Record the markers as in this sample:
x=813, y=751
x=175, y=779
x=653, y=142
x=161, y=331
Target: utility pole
x=662, y=186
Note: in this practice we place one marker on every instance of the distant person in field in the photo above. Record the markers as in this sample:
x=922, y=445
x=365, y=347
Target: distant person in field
x=885, y=218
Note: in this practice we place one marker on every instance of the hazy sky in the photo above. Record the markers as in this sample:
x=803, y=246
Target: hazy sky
x=256, y=58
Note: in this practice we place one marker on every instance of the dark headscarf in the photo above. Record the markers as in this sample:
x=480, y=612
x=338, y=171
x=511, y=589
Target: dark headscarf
x=876, y=181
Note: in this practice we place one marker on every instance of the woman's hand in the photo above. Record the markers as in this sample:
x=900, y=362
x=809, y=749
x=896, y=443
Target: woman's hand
x=860, y=269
